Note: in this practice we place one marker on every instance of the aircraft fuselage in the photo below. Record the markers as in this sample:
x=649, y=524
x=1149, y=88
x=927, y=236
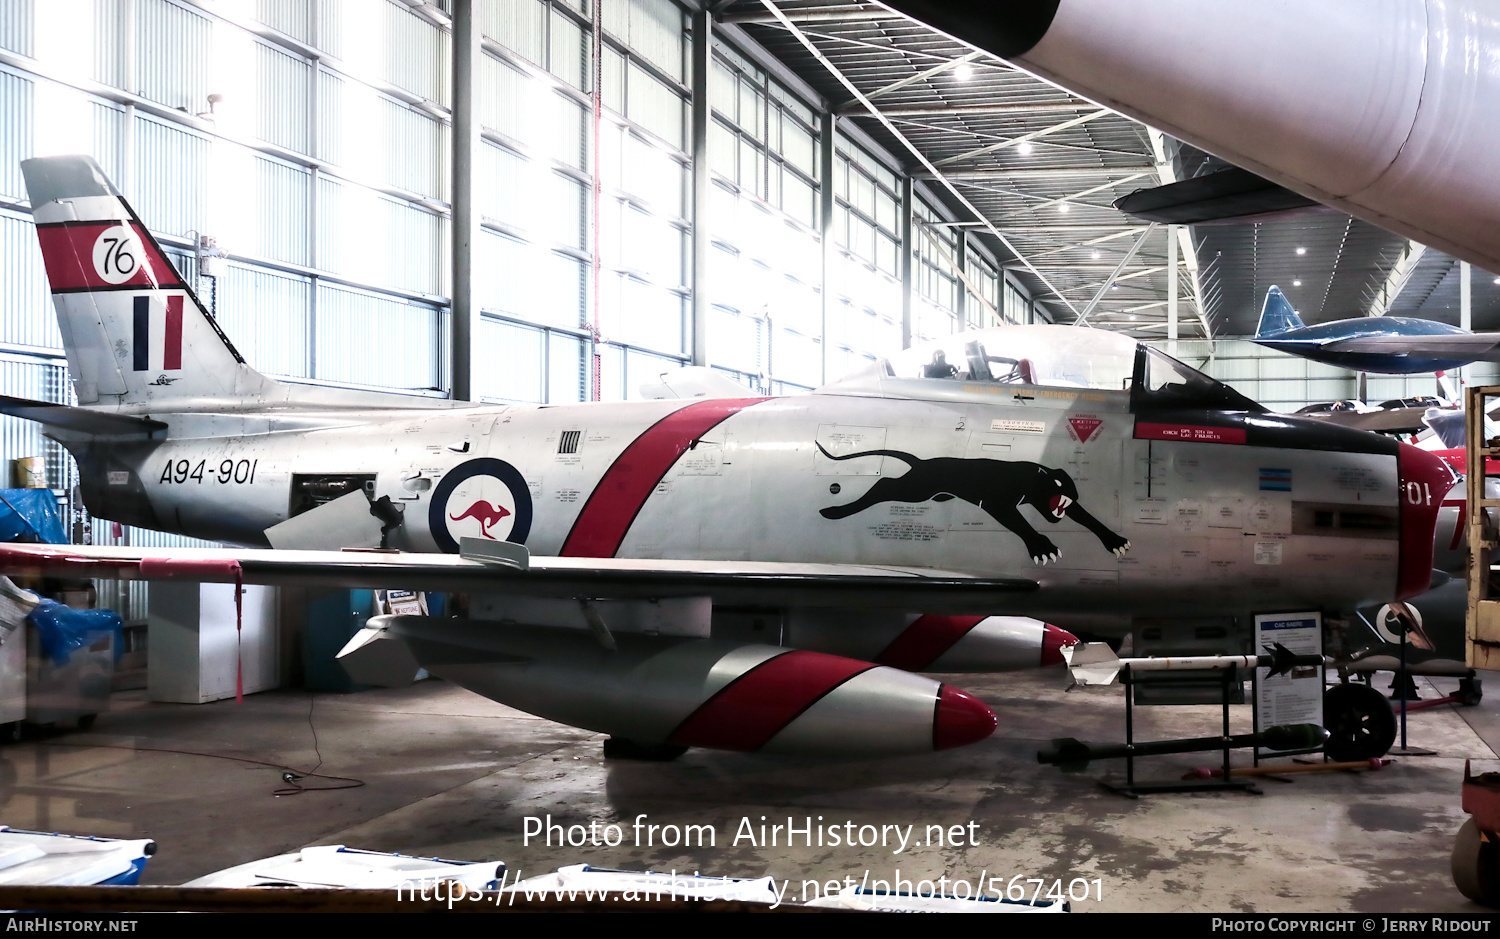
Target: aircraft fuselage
x=1188, y=513
x=1314, y=342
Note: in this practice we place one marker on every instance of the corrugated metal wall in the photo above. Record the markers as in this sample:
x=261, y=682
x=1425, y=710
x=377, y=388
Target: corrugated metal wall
x=374, y=340
x=293, y=17
x=171, y=178
x=17, y=21
x=109, y=138
x=282, y=83
x=173, y=54
x=15, y=132
x=266, y=313
x=39, y=380
x=26, y=317
x=515, y=361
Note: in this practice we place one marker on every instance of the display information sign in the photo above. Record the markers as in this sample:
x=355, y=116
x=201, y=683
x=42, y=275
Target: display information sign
x=1295, y=697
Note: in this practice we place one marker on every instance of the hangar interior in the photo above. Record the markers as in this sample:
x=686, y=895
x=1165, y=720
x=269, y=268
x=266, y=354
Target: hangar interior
x=558, y=201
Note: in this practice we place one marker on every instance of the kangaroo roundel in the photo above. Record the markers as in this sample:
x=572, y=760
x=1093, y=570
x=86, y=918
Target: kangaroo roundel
x=484, y=498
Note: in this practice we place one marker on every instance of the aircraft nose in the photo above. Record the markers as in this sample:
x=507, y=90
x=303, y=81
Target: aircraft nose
x=1054, y=640
x=961, y=719
x=1423, y=481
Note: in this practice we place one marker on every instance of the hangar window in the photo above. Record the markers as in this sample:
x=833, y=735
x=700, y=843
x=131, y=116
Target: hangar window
x=765, y=266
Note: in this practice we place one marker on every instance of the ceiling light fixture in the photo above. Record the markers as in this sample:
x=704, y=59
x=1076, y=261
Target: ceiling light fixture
x=1062, y=207
x=1301, y=250
x=1296, y=283
x=963, y=71
x=1024, y=148
x=1095, y=255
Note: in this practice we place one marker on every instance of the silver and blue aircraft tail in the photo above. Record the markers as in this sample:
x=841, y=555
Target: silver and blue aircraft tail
x=1276, y=316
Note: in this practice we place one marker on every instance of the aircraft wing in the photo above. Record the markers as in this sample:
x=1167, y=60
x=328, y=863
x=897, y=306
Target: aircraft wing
x=1476, y=347
x=510, y=571
x=1230, y=195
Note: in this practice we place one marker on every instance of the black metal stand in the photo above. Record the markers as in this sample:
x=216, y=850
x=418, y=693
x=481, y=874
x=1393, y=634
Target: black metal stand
x=1404, y=683
x=1134, y=790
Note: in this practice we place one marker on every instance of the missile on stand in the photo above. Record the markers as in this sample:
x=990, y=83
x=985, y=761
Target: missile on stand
x=1093, y=664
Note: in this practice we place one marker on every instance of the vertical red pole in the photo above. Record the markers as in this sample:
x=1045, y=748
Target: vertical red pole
x=598, y=57
x=239, y=616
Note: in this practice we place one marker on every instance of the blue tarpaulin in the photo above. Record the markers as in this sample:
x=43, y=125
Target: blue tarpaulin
x=30, y=515
x=62, y=629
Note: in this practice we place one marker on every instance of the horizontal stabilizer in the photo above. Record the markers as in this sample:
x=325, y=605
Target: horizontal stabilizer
x=80, y=420
x=1229, y=196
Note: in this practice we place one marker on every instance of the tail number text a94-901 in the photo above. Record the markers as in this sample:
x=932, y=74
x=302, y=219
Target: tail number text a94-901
x=229, y=471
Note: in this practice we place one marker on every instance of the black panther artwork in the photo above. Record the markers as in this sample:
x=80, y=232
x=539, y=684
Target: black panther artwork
x=998, y=487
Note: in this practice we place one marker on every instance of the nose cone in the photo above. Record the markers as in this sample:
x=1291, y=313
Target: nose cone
x=1054, y=640
x=961, y=719
x=1424, y=480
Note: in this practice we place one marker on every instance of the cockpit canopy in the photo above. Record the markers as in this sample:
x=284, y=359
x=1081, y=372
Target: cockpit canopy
x=1031, y=355
x=1057, y=356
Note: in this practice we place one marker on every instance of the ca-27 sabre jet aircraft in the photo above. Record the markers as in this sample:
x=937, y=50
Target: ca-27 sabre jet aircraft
x=738, y=572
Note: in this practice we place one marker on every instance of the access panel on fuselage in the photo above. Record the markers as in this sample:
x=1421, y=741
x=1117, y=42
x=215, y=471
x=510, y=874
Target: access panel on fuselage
x=1268, y=528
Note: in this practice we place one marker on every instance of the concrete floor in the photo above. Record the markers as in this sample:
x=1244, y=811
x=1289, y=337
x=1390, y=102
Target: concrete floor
x=450, y=774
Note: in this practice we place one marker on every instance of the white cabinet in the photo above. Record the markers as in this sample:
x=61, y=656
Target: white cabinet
x=191, y=649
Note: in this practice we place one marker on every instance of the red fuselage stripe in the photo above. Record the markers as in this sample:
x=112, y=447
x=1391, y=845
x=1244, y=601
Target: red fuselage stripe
x=630, y=480
x=68, y=252
x=745, y=714
x=925, y=639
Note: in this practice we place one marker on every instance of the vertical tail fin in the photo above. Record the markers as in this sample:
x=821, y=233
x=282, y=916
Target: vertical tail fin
x=1276, y=316
x=133, y=331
